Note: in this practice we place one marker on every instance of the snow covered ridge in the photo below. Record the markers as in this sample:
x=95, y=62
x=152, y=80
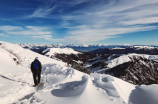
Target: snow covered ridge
x=120, y=60
x=52, y=51
x=138, y=71
x=126, y=58
x=63, y=84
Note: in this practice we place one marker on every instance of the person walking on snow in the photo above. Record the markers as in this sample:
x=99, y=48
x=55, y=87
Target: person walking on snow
x=36, y=71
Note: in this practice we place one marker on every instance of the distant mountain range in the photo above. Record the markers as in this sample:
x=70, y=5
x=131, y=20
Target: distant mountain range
x=85, y=48
x=132, y=49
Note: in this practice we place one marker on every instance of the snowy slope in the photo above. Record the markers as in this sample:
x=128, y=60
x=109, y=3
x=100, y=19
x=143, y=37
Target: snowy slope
x=61, y=84
x=52, y=51
x=126, y=58
x=12, y=78
x=120, y=60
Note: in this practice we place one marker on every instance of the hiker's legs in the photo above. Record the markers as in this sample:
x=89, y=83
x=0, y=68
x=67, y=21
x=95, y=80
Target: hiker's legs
x=34, y=77
x=39, y=76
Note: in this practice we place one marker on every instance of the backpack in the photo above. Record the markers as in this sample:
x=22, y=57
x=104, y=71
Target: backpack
x=35, y=64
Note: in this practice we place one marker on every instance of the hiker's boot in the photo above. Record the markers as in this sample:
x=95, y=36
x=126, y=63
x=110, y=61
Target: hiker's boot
x=35, y=85
x=39, y=84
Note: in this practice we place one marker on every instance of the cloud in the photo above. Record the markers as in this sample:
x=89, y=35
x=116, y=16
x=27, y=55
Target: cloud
x=93, y=20
x=90, y=36
x=40, y=12
x=9, y=28
x=37, y=28
x=2, y=34
x=43, y=11
x=46, y=37
x=31, y=31
x=148, y=20
x=110, y=20
x=28, y=32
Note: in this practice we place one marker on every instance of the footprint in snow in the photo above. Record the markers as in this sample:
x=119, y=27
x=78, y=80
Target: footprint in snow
x=105, y=82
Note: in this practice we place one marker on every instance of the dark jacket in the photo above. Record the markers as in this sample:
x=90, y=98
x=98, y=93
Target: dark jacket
x=39, y=65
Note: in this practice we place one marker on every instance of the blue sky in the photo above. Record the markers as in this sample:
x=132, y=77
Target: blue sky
x=79, y=21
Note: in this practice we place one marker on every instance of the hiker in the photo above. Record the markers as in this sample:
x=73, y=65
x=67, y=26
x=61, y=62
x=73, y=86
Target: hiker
x=36, y=71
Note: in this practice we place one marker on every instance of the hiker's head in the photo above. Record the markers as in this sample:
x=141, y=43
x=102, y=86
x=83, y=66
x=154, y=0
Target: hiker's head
x=36, y=58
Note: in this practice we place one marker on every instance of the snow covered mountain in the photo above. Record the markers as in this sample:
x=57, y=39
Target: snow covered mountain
x=62, y=84
x=85, y=48
x=72, y=57
x=52, y=51
x=133, y=49
x=133, y=68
